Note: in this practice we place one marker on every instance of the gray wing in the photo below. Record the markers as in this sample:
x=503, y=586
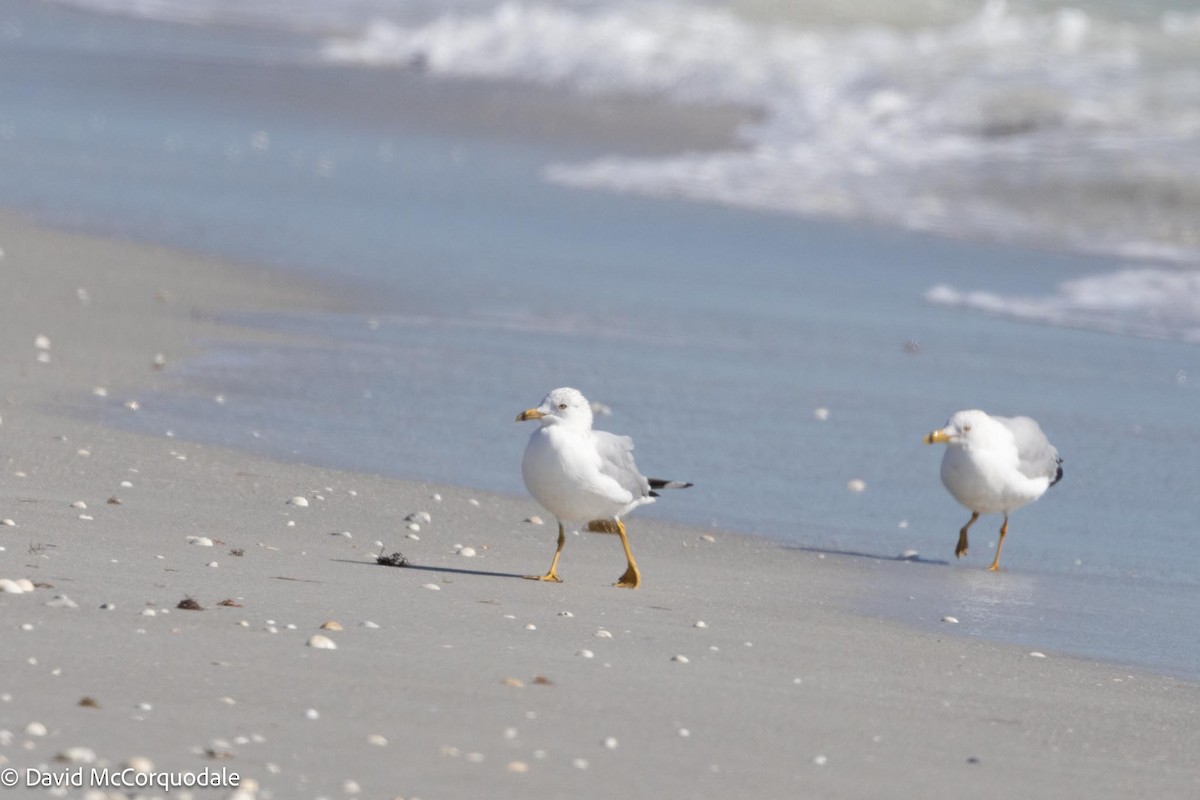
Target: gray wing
x=616, y=461
x=1039, y=458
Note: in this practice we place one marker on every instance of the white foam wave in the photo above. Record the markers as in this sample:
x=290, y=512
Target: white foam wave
x=1051, y=127
x=1143, y=301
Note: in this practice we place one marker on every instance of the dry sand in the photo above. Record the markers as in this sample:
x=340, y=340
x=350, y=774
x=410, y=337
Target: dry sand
x=489, y=686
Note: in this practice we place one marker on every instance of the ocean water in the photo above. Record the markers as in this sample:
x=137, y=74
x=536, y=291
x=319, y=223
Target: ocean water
x=489, y=270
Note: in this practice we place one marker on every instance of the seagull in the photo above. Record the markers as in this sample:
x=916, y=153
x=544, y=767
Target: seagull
x=995, y=465
x=579, y=474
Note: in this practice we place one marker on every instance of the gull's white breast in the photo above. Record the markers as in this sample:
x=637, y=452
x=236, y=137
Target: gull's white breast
x=987, y=479
x=561, y=468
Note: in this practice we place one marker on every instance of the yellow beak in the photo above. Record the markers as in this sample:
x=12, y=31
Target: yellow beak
x=936, y=437
x=529, y=413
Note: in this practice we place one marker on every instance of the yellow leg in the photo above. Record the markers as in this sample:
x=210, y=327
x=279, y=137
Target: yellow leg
x=995, y=567
x=552, y=575
x=632, y=578
x=961, y=549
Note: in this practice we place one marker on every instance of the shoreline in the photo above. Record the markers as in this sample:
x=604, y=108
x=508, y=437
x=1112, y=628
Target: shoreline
x=488, y=684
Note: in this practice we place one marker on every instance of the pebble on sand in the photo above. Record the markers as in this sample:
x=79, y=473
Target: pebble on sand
x=467, y=552
x=321, y=642
x=35, y=729
x=331, y=625
x=298, y=502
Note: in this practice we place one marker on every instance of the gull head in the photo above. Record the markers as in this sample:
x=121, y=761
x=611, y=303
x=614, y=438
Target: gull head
x=964, y=428
x=563, y=406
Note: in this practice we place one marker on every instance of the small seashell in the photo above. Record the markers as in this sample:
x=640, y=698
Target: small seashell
x=298, y=502
x=586, y=654
x=343, y=534
x=565, y=614
x=140, y=764
x=473, y=501
x=909, y=555
x=467, y=552
x=62, y=601
x=369, y=624
x=8, y=523
x=132, y=405
x=41, y=342
x=331, y=625
x=100, y=391
x=433, y=587
x=126, y=485
x=821, y=413
x=312, y=713
x=680, y=659
x=1036, y=654
x=708, y=537
x=86, y=517
x=611, y=743
x=684, y=732
x=412, y=536
x=856, y=485
x=77, y=755
x=518, y=767
x=321, y=642
x=603, y=634
x=951, y=620
x=25, y=584
x=700, y=624
x=437, y=498
x=531, y=627
x=534, y=520
x=35, y=729
x=414, y=527
x=820, y=761
x=377, y=740
x=516, y=683
x=79, y=504
x=579, y=763
x=350, y=786
x=43, y=357
x=10, y=587
x=200, y=541
x=108, y=606
x=212, y=564
x=149, y=612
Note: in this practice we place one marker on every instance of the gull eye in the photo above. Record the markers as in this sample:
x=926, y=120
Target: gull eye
x=562, y=406
x=966, y=428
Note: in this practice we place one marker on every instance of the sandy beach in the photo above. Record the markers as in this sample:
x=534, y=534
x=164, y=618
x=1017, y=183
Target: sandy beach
x=736, y=671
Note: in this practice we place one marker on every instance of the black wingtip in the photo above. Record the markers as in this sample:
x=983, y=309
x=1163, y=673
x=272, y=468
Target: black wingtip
x=659, y=483
x=1058, y=475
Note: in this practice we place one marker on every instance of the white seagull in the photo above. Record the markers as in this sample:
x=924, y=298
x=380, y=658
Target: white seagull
x=995, y=465
x=582, y=475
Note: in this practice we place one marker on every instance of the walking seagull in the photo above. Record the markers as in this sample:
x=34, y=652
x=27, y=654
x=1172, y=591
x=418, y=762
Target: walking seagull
x=995, y=465
x=582, y=475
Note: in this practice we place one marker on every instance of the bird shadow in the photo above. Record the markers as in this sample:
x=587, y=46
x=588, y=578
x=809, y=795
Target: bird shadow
x=863, y=554
x=480, y=573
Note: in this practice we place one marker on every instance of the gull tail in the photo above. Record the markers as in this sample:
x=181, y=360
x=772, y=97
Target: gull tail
x=659, y=483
